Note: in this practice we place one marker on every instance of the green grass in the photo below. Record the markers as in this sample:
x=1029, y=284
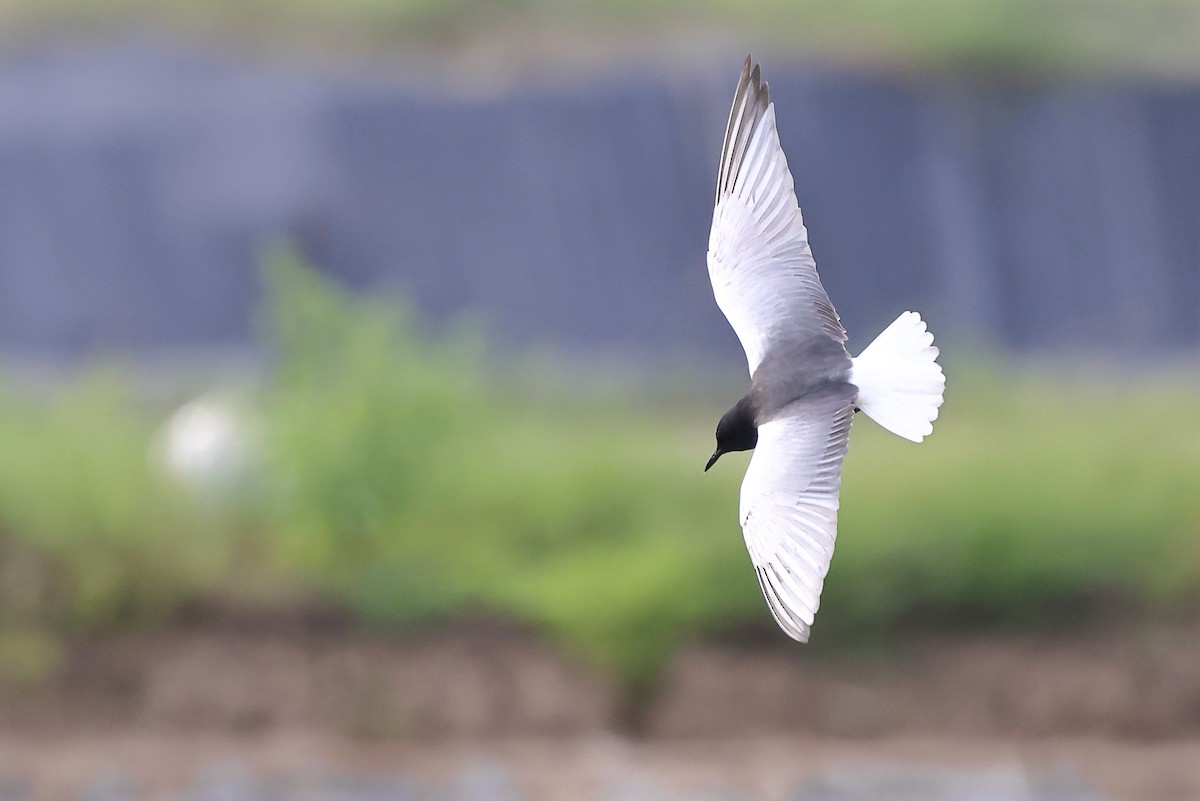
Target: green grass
x=985, y=35
x=402, y=481
x=1032, y=503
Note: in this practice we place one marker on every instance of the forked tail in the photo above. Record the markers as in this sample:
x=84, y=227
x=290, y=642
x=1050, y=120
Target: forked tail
x=900, y=383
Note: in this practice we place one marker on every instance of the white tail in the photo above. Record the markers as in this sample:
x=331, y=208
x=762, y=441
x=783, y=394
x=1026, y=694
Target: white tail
x=900, y=383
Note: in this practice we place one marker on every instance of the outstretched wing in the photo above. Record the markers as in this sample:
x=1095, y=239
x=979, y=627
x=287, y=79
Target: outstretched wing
x=762, y=271
x=789, y=505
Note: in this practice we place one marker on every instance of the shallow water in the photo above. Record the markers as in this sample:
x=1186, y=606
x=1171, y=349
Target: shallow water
x=281, y=766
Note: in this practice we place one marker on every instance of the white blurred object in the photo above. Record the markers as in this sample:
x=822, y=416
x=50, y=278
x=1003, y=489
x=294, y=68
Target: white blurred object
x=211, y=445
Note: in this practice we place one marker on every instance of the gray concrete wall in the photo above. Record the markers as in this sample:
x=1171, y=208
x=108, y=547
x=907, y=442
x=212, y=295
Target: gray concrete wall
x=138, y=186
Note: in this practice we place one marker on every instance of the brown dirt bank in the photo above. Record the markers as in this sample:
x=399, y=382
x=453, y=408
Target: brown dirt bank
x=483, y=681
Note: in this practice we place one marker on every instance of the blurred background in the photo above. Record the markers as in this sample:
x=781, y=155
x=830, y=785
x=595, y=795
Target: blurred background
x=358, y=365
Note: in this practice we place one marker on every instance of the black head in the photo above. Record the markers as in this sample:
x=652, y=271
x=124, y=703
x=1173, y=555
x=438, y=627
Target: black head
x=735, y=432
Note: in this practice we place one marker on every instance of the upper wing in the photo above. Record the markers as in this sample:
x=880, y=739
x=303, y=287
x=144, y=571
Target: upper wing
x=789, y=506
x=762, y=271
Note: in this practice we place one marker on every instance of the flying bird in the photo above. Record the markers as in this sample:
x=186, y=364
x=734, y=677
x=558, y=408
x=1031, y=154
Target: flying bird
x=804, y=385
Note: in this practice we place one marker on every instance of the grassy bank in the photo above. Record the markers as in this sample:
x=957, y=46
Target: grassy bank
x=392, y=476
x=981, y=35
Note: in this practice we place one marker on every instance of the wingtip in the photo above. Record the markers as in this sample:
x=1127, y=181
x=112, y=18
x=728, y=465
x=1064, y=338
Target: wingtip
x=754, y=84
x=747, y=68
x=800, y=634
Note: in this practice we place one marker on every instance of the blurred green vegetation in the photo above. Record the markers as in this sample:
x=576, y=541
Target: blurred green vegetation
x=1018, y=35
x=404, y=480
